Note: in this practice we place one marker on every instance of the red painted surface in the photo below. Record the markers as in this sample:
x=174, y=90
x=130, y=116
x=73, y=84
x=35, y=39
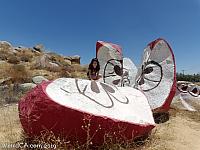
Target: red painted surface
x=38, y=113
x=101, y=43
x=166, y=106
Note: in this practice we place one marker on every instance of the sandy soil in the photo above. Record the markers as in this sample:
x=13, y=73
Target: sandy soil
x=181, y=132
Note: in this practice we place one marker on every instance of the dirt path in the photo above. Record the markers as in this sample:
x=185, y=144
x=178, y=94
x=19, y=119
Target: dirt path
x=181, y=132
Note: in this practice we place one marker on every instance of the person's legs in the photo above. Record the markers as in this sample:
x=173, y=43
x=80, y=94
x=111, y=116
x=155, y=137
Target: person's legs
x=98, y=77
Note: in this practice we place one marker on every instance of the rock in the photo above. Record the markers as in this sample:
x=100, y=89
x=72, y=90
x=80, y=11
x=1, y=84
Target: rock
x=26, y=87
x=39, y=47
x=19, y=48
x=68, y=62
x=67, y=58
x=6, y=105
x=39, y=79
x=8, y=94
x=6, y=49
x=15, y=51
x=53, y=64
x=75, y=59
x=35, y=52
x=44, y=62
x=3, y=88
x=5, y=45
x=5, y=80
x=2, y=62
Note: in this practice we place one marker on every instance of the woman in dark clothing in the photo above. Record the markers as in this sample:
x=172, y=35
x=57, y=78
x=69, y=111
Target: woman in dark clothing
x=93, y=69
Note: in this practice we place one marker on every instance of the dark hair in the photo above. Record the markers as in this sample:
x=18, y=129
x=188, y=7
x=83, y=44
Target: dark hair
x=91, y=65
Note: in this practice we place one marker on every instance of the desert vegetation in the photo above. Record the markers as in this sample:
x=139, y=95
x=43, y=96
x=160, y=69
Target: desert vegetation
x=188, y=77
x=181, y=131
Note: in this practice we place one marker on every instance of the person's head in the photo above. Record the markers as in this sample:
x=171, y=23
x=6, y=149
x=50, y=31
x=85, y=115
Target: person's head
x=94, y=64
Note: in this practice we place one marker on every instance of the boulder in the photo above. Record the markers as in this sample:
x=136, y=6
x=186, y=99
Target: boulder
x=75, y=59
x=42, y=61
x=38, y=79
x=6, y=49
x=67, y=58
x=2, y=62
x=26, y=87
x=3, y=87
x=39, y=47
x=67, y=62
x=5, y=45
x=19, y=48
x=53, y=64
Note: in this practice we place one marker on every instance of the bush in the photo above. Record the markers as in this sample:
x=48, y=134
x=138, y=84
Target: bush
x=25, y=58
x=10, y=94
x=3, y=56
x=13, y=59
x=25, y=55
x=19, y=74
x=64, y=73
x=79, y=68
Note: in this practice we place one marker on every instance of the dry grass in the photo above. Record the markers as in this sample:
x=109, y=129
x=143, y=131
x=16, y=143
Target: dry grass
x=177, y=133
x=62, y=142
x=198, y=83
x=10, y=128
x=189, y=115
x=19, y=74
x=11, y=133
x=13, y=59
x=4, y=68
x=4, y=52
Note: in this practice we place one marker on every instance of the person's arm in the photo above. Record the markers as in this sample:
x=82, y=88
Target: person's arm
x=97, y=75
x=89, y=74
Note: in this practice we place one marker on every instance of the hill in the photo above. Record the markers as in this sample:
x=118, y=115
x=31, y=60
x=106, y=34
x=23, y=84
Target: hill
x=21, y=68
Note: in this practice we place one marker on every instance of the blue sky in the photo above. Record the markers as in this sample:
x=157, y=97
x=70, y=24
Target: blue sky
x=72, y=27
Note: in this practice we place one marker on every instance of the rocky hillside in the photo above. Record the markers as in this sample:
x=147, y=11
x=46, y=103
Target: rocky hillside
x=22, y=68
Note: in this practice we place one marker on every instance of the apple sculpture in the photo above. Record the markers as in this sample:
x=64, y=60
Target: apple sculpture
x=64, y=105
x=157, y=75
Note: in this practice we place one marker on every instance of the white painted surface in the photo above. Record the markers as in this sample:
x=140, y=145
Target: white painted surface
x=186, y=105
x=104, y=54
x=184, y=100
x=129, y=66
x=162, y=55
x=136, y=111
